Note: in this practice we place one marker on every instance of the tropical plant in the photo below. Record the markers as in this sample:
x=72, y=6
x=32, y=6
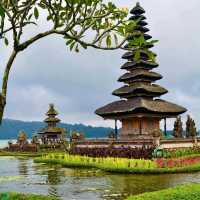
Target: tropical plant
x=174, y=153
x=122, y=152
x=73, y=20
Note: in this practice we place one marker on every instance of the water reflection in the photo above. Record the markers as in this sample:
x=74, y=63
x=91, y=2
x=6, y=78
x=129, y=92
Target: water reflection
x=53, y=179
x=23, y=166
x=83, y=184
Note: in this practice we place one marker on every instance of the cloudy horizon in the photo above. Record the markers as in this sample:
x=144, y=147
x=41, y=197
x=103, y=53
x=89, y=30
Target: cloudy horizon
x=78, y=84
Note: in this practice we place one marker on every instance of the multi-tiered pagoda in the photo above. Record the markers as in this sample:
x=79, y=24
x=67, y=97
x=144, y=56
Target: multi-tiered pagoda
x=51, y=133
x=140, y=109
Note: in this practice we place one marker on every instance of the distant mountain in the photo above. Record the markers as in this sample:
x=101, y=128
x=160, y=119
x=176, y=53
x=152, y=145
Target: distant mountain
x=10, y=129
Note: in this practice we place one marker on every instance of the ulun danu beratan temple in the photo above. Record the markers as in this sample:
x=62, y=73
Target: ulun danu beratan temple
x=140, y=109
x=51, y=134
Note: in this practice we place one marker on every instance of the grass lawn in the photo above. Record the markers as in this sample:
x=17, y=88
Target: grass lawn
x=17, y=196
x=182, y=192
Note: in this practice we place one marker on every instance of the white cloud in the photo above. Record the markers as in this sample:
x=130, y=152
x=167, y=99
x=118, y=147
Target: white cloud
x=79, y=83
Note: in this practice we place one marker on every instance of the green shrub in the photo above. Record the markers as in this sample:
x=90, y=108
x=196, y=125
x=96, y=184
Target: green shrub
x=182, y=192
x=181, y=152
x=17, y=196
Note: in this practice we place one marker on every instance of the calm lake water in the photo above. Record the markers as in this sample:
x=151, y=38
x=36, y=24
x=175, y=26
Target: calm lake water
x=4, y=143
x=23, y=175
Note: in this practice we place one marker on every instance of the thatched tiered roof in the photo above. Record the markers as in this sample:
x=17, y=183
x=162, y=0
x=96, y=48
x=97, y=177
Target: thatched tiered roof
x=139, y=75
x=51, y=110
x=140, y=106
x=51, y=121
x=139, y=89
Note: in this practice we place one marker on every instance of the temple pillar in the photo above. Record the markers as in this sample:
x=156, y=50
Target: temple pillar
x=165, y=126
x=140, y=126
x=116, y=130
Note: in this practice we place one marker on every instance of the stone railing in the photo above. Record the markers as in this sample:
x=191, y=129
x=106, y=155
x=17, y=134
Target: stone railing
x=115, y=143
x=139, y=142
x=179, y=143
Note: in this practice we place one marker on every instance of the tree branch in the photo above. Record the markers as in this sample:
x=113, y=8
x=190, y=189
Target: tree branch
x=6, y=73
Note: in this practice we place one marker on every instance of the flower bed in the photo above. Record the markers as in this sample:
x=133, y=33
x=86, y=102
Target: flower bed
x=178, y=162
x=182, y=192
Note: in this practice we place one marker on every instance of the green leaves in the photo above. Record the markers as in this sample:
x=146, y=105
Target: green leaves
x=108, y=40
x=137, y=56
x=36, y=13
x=73, y=45
x=2, y=11
x=6, y=41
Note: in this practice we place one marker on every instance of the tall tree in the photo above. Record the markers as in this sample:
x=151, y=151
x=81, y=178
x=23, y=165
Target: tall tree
x=191, y=130
x=70, y=19
x=178, y=128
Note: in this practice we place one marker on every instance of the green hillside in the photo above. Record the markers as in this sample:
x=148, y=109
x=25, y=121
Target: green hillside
x=10, y=129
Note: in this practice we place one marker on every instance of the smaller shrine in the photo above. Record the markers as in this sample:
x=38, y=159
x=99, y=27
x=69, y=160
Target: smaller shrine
x=22, y=144
x=51, y=134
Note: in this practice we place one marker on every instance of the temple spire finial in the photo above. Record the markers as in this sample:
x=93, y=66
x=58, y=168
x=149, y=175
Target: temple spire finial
x=137, y=10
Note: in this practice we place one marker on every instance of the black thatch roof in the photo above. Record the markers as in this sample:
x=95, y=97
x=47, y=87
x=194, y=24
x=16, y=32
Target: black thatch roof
x=141, y=28
x=136, y=17
x=140, y=75
x=51, y=130
x=146, y=36
x=52, y=119
x=137, y=10
x=130, y=55
x=142, y=23
x=140, y=105
x=140, y=89
x=139, y=64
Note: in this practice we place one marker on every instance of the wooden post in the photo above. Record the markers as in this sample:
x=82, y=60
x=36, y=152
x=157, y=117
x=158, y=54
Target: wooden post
x=116, y=130
x=140, y=121
x=165, y=127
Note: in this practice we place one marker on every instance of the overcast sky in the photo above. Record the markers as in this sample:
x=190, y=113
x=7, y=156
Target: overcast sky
x=78, y=84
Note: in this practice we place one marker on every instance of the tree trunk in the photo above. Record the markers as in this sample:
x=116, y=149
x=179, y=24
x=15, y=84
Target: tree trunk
x=2, y=106
x=3, y=94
